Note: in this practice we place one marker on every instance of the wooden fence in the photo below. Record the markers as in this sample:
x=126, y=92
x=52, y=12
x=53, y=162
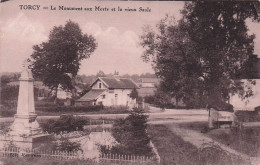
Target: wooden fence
x=59, y=155
x=117, y=159
x=104, y=159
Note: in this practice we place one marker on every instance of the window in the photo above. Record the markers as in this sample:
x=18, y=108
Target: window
x=99, y=85
x=116, y=95
x=103, y=96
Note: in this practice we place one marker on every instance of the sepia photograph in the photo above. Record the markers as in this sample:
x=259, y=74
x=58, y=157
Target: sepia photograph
x=129, y=83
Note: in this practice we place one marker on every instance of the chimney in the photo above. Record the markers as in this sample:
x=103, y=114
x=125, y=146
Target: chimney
x=116, y=75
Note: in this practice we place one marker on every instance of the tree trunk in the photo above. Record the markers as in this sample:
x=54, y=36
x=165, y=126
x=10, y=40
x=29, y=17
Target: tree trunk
x=73, y=91
x=55, y=95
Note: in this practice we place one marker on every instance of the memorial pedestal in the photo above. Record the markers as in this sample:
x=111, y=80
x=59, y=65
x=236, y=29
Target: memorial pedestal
x=25, y=131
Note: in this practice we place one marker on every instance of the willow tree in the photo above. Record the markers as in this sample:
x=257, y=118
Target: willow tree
x=57, y=61
x=201, y=55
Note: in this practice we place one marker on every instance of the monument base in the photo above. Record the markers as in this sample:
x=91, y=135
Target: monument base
x=25, y=125
x=23, y=142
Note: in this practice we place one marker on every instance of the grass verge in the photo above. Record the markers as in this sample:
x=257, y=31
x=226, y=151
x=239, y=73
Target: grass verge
x=172, y=148
x=244, y=140
x=43, y=161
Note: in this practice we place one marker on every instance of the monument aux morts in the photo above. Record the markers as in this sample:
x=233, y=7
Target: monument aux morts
x=25, y=131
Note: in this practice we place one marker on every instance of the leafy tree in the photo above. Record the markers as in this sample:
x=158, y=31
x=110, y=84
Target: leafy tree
x=100, y=74
x=57, y=61
x=134, y=94
x=201, y=54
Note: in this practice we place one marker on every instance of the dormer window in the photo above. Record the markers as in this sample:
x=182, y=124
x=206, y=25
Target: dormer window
x=100, y=85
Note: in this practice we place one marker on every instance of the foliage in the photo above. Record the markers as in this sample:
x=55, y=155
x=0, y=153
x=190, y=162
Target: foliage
x=247, y=116
x=221, y=106
x=100, y=74
x=9, y=93
x=8, y=77
x=66, y=123
x=7, y=112
x=65, y=109
x=131, y=134
x=55, y=110
x=134, y=94
x=57, y=61
x=149, y=99
x=68, y=146
x=200, y=55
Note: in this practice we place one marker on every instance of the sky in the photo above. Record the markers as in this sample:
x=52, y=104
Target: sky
x=117, y=33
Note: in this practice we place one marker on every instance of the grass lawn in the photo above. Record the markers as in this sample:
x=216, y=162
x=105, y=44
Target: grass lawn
x=43, y=161
x=172, y=148
x=245, y=140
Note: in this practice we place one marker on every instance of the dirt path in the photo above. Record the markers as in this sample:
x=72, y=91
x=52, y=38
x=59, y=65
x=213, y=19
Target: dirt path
x=197, y=139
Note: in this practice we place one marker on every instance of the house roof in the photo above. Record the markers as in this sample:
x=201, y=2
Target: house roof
x=92, y=95
x=150, y=80
x=118, y=83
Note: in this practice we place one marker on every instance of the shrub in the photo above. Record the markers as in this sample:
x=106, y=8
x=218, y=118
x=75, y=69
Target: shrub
x=247, y=116
x=66, y=123
x=131, y=135
x=7, y=113
x=149, y=99
x=68, y=146
x=70, y=108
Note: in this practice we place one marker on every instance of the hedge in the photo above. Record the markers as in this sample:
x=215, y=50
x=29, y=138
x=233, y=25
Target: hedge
x=70, y=108
x=247, y=116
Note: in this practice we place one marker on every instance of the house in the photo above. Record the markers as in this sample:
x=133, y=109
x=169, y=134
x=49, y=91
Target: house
x=109, y=91
x=254, y=101
x=148, y=86
x=63, y=94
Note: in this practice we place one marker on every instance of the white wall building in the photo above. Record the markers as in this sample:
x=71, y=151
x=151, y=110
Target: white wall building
x=109, y=91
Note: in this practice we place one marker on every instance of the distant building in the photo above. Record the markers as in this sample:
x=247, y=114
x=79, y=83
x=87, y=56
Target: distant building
x=62, y=94
x=109, y=91
x=148, y=86
x=254, y=101
x=41, y=91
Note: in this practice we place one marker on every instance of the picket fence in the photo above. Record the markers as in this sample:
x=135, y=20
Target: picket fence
x=115, y=159
x=99, y=122
x=127, y=159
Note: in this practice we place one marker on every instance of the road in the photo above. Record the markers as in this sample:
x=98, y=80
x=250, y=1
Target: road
x=156, y=116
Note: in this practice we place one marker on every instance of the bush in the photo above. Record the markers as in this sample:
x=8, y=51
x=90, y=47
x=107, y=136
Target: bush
x=247, y=116
x=149, y=99
x=68, y=146
x=131, y=135
x=7, y=113
x=69, y=108
x=66, y=123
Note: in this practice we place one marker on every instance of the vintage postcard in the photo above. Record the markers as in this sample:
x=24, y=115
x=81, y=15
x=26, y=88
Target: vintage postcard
x=129, y=82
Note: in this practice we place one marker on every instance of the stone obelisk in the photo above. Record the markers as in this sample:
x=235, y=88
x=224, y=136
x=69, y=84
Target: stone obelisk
x=24, y=120
x=25, y=132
